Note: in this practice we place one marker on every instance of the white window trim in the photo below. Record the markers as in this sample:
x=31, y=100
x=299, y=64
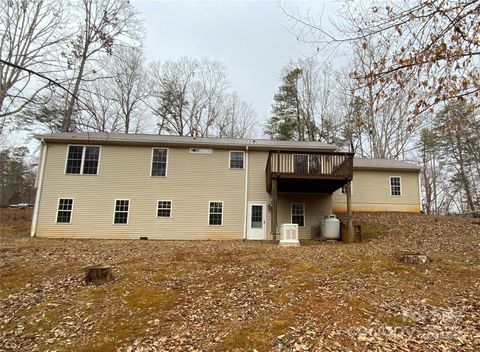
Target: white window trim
x=230, y=159
x=71, y=212
x=390, y=186
x=291, y=214
x=83, y=158
x=128, y=212
x=151, y=162
x=208, y=212
x=171, y=209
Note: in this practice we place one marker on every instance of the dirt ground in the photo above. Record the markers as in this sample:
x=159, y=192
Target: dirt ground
x=246, y=296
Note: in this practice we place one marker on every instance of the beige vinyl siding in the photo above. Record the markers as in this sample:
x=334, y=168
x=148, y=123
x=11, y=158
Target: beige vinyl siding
x=124, y=173
x=257, y=188
x=316, y=207
x=371, y=192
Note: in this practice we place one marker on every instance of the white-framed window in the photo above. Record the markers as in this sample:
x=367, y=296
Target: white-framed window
x=64, y=211
x=215, y=213
x=82, y=159
x=159, y=162
x=236, y=159
x=164, y=209
x=395, y=186
x=201, y=150
x=121, y=211
x=298, y=213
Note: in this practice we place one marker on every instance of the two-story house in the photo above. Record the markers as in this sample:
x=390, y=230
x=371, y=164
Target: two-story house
x=99, y=185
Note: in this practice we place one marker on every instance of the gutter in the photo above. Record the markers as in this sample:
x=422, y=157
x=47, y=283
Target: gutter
x=246, y=195
x=39, y=186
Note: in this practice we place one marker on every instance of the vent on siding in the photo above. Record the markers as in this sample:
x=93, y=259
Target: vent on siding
x=201, y=150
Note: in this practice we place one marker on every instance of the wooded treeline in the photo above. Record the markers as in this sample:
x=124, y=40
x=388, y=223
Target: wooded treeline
x=409, y=90
x=94, y=76
x=407, y=87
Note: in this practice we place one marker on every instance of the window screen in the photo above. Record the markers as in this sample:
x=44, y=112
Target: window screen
x=159, y=162
x=164, y=208
x=298, y=214
x=236, y=160
x=395, y=187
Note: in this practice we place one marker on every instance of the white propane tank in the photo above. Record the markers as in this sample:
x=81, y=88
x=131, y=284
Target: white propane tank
x=331, y=227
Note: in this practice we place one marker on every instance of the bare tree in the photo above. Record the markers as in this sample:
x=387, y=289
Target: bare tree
x=237, y=118
x=433, y=41
x=129, y=85
x=381, y=122
x=29, y=33
x=103, y=24
x=100, y=112
x=188, y=95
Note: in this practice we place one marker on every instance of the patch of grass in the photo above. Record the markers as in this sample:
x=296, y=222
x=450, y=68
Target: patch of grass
x=134, y=306
x=15, y=278
x=260, y=334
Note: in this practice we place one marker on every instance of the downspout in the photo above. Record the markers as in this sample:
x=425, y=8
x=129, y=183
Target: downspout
x=420, y=193
x=246, y=195
x=39, y=185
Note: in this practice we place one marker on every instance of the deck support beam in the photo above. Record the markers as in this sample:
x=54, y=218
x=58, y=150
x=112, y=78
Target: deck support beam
x=350, y=232
x=273, y=229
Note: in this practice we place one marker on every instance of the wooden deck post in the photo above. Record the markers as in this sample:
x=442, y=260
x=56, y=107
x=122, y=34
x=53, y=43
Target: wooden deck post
x=274, y=209
x=350, y=236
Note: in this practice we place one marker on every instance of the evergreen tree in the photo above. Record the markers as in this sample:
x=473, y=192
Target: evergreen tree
x=288, y=118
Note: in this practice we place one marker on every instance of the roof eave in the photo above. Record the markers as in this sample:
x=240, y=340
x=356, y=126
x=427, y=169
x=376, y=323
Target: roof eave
x=385, y=168
x=197, y=143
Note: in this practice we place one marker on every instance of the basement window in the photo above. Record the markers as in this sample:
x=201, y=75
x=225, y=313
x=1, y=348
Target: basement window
x=298, y=214
x=64, y=210
x=120, y=214
x=395, y=186
x=215, y=213
x=82, y=159
x=164, y=209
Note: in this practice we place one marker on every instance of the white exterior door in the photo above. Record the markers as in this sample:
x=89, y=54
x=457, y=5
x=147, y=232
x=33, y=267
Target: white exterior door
x=256, y=220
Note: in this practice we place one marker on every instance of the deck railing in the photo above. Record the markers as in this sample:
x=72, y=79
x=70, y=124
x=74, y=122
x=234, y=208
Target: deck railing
x=327, y=165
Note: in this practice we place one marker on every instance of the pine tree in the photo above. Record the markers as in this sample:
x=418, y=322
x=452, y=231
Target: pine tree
x=288, y=118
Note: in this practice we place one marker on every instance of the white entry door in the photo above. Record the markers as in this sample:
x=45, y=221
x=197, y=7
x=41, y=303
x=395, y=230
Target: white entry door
x=256, y=220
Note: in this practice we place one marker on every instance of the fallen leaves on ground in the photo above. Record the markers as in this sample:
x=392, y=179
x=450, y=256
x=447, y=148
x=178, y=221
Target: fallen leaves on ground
x=246, y=296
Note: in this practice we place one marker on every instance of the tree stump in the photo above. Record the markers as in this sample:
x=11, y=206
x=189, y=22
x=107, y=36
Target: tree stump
x=415, y=258
x=98, y=274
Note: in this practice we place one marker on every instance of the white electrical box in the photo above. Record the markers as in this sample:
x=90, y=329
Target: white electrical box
x=289, y=235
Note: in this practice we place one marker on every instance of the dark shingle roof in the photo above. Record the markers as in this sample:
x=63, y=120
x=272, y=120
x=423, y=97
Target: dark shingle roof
x=154, y=139
x=388, y=164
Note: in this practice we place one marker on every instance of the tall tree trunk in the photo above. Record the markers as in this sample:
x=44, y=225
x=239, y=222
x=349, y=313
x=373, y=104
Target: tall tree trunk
x=67, y=120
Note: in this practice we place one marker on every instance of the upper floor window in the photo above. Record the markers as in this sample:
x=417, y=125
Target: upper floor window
x=82, y=159
x=64, y=210
x=298, y=214
x=395, y=186
x=236, y=160
x=159, y=162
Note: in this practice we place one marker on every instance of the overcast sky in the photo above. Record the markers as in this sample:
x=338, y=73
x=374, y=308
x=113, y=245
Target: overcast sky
x=251, y=38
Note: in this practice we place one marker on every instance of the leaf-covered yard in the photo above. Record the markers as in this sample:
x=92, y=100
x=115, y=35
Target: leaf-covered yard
x=237, y=295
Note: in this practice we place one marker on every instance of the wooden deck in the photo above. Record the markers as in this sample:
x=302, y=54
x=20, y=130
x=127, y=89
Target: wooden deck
x=320, y=172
